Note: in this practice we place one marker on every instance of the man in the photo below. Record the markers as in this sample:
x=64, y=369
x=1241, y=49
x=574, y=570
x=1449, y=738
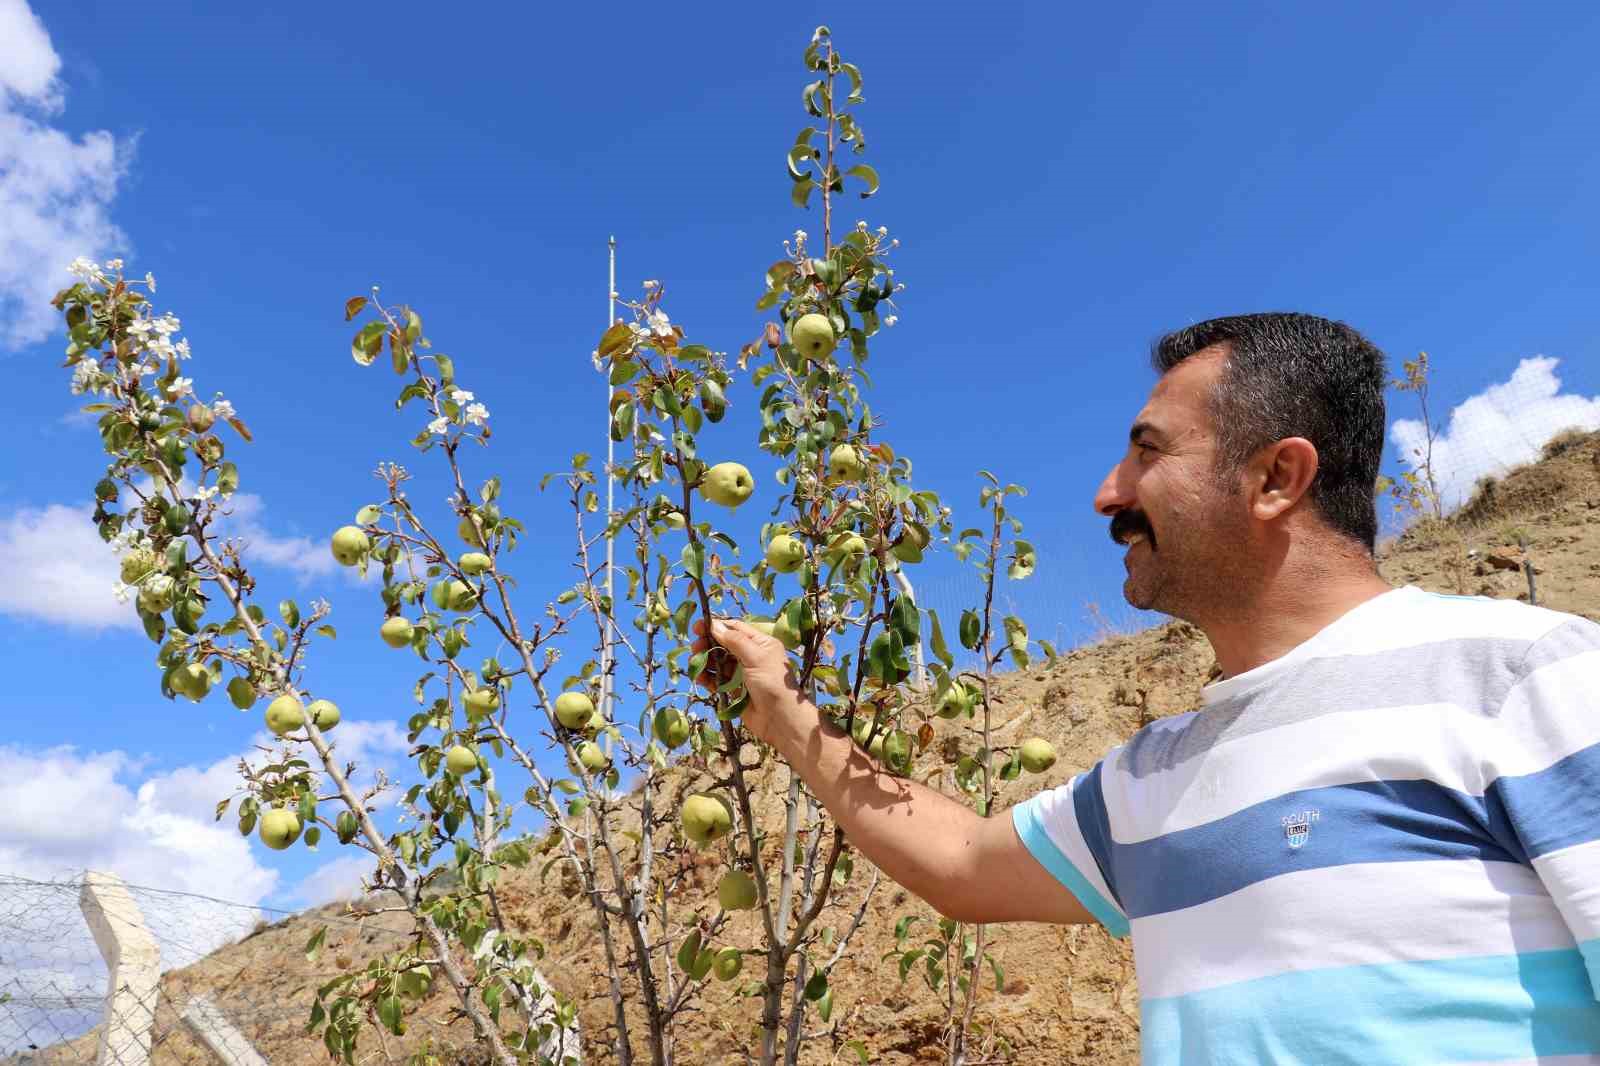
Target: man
x=1378, y=838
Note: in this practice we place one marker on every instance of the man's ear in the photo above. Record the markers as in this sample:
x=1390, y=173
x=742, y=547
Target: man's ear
x=1280, y=475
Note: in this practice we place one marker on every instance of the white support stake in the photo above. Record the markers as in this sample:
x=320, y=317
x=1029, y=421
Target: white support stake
x=133, y=968
x=213, y=1029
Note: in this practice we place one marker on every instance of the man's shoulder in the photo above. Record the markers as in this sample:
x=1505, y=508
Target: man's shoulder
x=1518, y=634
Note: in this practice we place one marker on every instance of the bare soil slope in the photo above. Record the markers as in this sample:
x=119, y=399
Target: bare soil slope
x=1070, y=995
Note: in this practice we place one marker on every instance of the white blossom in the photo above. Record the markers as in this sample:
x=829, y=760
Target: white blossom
x=150, y=280
x=121, y=591
x=82, y=374
x=891, y=320
x=162, y=347
x=652, y=284
x=477, y=413
x=166, y=324
x=660, y=322
x=222, y=408
x=181, y=387
x=883, y=231
x=182, y=348
x=141, y=327
x=799, y=234
x=87, y=269
x=461, y=396
x=439, y=426
x=861, y=224
x=205, y=492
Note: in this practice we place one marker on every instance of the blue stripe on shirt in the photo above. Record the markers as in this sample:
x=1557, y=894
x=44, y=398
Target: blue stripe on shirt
x=1364, y=822
x=1556, y=807
x=1038, y=842
x=1493, y=1008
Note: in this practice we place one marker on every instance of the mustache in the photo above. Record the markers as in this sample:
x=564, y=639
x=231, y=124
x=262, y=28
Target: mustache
x=1125, y=524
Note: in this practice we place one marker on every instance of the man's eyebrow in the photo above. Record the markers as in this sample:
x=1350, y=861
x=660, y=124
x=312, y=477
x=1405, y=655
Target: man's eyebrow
x=1143, y=429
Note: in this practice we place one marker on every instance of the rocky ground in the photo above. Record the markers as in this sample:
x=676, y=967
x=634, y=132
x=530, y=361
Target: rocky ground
x=1069, y=995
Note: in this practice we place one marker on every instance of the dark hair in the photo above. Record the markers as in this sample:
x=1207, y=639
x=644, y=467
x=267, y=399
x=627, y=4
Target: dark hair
x=1295, y=375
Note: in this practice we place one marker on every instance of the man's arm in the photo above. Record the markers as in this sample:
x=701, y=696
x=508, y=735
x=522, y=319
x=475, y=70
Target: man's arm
x=969, y=868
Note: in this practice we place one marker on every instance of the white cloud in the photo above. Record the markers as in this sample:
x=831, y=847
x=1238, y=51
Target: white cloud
x=55, y=189
x=1501, y=427
x=55, y=567
x=335, y=881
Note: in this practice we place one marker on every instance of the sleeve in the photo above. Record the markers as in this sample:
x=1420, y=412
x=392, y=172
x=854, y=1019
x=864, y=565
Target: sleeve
x=1549, y=781
x=1066, y=830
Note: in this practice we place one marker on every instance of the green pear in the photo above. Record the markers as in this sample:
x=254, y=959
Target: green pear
x=674, y=519
x=592, y=757
x=396, y=632
x=671, y=727
x=460, y=760
x=736, y=891
x=350, y=543
x=785, y=554
x=956, y=701
x=728, y=484
x=483, y=700
x=192, y=680
x=727, y=964
x=897, y=751
x=849, y=546
x=780, y=628
x=242, y=693
x=324, y=714
x=138, y=564
x=574, y=709
x=705, y=818
x=846, y=463
x=279, y=828
x=812, y=335
x=285, y=714
x=470, y=529
x=474, y=563
x=658, y=613
x=451, y=595
x=156, y=592
x=1038, y=755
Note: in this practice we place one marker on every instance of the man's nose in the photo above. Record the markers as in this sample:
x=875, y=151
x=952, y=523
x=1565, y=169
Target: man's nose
x=1114, y=493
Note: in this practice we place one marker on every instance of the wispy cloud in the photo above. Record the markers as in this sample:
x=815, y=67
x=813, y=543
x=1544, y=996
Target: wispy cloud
x=54, y=566
x=1499, y=428
x=55, y=190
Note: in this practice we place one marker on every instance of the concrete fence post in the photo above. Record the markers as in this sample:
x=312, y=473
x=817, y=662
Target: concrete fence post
x=133, y=967
x=213, y=1029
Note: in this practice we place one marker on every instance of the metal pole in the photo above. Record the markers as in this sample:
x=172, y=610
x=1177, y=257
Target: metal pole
x=608, y=646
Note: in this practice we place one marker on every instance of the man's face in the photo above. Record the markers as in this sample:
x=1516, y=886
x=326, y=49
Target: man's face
x=1186, y=529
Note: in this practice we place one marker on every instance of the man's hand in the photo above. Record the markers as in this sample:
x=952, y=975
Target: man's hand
x=936, y=847
x=777, y=714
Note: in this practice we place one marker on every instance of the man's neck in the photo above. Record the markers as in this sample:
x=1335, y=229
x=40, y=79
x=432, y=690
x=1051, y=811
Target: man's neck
x=1290, y=608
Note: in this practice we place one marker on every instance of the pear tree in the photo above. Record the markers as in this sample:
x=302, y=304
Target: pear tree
x=533, y=757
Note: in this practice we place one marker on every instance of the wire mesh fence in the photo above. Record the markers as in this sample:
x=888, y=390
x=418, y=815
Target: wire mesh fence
x=227, y=982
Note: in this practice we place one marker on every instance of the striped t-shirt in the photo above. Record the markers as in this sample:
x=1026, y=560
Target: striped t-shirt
x=1382, y=847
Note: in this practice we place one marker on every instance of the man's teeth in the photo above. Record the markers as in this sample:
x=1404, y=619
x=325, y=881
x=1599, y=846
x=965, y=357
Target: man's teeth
x=1134, y=538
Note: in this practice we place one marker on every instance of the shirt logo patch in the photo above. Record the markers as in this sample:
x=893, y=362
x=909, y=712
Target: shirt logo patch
x=1297, y=826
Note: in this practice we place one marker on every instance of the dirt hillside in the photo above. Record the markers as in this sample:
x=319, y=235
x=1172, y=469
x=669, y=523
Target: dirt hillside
x=1070, y=995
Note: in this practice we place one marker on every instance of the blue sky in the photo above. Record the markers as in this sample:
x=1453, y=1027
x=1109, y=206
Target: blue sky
x=1066, y=182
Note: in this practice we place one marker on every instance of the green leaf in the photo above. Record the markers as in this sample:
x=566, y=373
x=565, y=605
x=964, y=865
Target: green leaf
x=1023, y=561
x=694, y=560
x=867, y=175
x=367, y=343
x=353, y=307
x=971, y=629
x=688, y=950
x=328, y=631
x=314, y=945
x=389, y=1012
x=289, y=613
x=801, y=192
x=817, y=986
x=368, y=514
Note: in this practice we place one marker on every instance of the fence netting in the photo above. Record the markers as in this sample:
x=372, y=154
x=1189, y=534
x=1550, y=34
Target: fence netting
x=253, y=999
